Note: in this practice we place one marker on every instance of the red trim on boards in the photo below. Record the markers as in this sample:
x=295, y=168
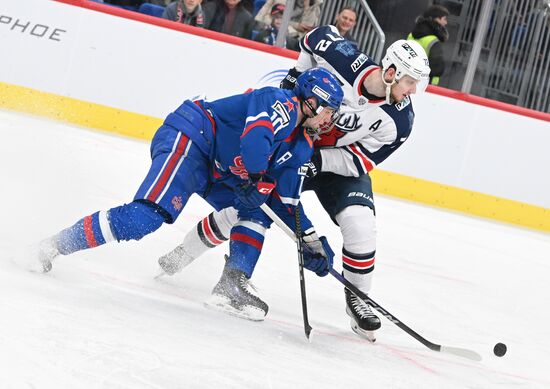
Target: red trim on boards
x=453, y=94
x=288, y=53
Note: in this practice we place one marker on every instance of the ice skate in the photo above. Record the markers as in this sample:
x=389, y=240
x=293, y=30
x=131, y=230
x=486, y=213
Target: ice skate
x=232, y=294
x=175, y=261
x=363, y=321
x=47, y=252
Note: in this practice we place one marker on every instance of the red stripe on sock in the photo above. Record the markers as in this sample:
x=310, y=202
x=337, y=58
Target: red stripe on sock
x=208, y=232
x=89, y=232
x=236, y=236
x=354, y=263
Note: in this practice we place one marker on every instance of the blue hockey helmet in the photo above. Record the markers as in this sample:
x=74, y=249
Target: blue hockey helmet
x=321, y=84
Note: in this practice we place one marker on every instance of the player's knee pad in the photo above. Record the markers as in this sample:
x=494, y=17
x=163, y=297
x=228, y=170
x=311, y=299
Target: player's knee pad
x=135, y=220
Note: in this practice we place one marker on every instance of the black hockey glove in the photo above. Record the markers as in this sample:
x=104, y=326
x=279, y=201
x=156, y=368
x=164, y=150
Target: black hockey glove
x=255, y=192
x=318, y=256
x=314, y=166
x=290, y=79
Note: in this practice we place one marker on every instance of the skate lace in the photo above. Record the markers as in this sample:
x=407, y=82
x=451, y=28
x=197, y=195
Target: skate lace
x=248, y=286
x=360, y=307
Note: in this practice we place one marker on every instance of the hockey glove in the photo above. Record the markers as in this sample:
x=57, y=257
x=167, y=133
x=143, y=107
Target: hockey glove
x=255, y=192
x=314, y=166
x=289, y=82
x=318, y=256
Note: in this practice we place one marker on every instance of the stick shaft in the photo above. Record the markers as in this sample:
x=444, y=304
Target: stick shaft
x=277, y=220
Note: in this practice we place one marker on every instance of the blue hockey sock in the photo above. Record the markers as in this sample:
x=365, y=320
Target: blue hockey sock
x=128, y=222
x=245, y=246
x=88, y=232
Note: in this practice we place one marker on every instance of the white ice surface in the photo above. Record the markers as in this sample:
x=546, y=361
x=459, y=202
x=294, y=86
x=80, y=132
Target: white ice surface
x=99, y=320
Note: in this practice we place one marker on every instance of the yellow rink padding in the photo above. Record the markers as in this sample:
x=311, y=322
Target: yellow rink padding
x=134, y=125
x=66, y=109
x=461, y=200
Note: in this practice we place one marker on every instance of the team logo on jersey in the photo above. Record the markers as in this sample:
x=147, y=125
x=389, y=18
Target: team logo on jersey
x=289, y=105
x=358, y=62
x=177, y=202
x=345, y=48
x=239, y=169
x=280, y=117
x=406, y=101
x=348, y=122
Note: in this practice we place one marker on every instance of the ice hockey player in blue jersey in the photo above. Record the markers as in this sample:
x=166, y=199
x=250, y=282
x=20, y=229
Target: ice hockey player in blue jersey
x=375, y=120
x=234, y=152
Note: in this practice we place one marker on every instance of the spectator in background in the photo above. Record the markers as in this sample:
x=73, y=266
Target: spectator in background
x=263, y=17
x=186, y=12
x=345, y=21
x=268, y=34
x=430, y=31
x=132, y=4
x=305, y=16
x=229, y=17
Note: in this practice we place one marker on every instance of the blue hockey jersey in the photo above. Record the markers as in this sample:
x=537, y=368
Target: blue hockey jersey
x=250, y=128
x=254, y=132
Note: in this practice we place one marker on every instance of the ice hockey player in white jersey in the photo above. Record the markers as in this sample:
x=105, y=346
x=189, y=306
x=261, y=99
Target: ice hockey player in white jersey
x=375, y=120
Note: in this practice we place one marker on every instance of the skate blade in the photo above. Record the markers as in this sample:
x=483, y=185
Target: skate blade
x=160, y=275
x=46, y=267
x=368, y=335
x=223, y=304
x=39, y=267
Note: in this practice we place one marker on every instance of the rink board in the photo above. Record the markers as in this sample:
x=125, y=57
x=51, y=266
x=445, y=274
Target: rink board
x=486, y=160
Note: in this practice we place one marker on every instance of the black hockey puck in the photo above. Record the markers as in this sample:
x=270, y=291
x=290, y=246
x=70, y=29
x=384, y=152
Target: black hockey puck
x=499, y=349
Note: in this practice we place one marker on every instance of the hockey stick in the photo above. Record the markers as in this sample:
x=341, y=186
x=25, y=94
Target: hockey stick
x=307, y=327
x=269, y=212
x=458, y=351
x=461, y=352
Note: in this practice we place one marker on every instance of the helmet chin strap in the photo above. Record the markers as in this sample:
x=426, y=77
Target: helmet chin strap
x=389, y=100
x=304, y=116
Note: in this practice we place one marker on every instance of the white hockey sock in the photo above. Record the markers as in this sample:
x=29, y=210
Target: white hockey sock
x=362, y=281
x=211, y=231
x=358, y=227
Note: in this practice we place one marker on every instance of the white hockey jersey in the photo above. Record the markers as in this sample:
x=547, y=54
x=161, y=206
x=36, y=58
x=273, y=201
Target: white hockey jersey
x=368, y=130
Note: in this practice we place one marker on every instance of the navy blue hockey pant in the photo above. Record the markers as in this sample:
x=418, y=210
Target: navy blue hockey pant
x=178, y=169
x=335, y=192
